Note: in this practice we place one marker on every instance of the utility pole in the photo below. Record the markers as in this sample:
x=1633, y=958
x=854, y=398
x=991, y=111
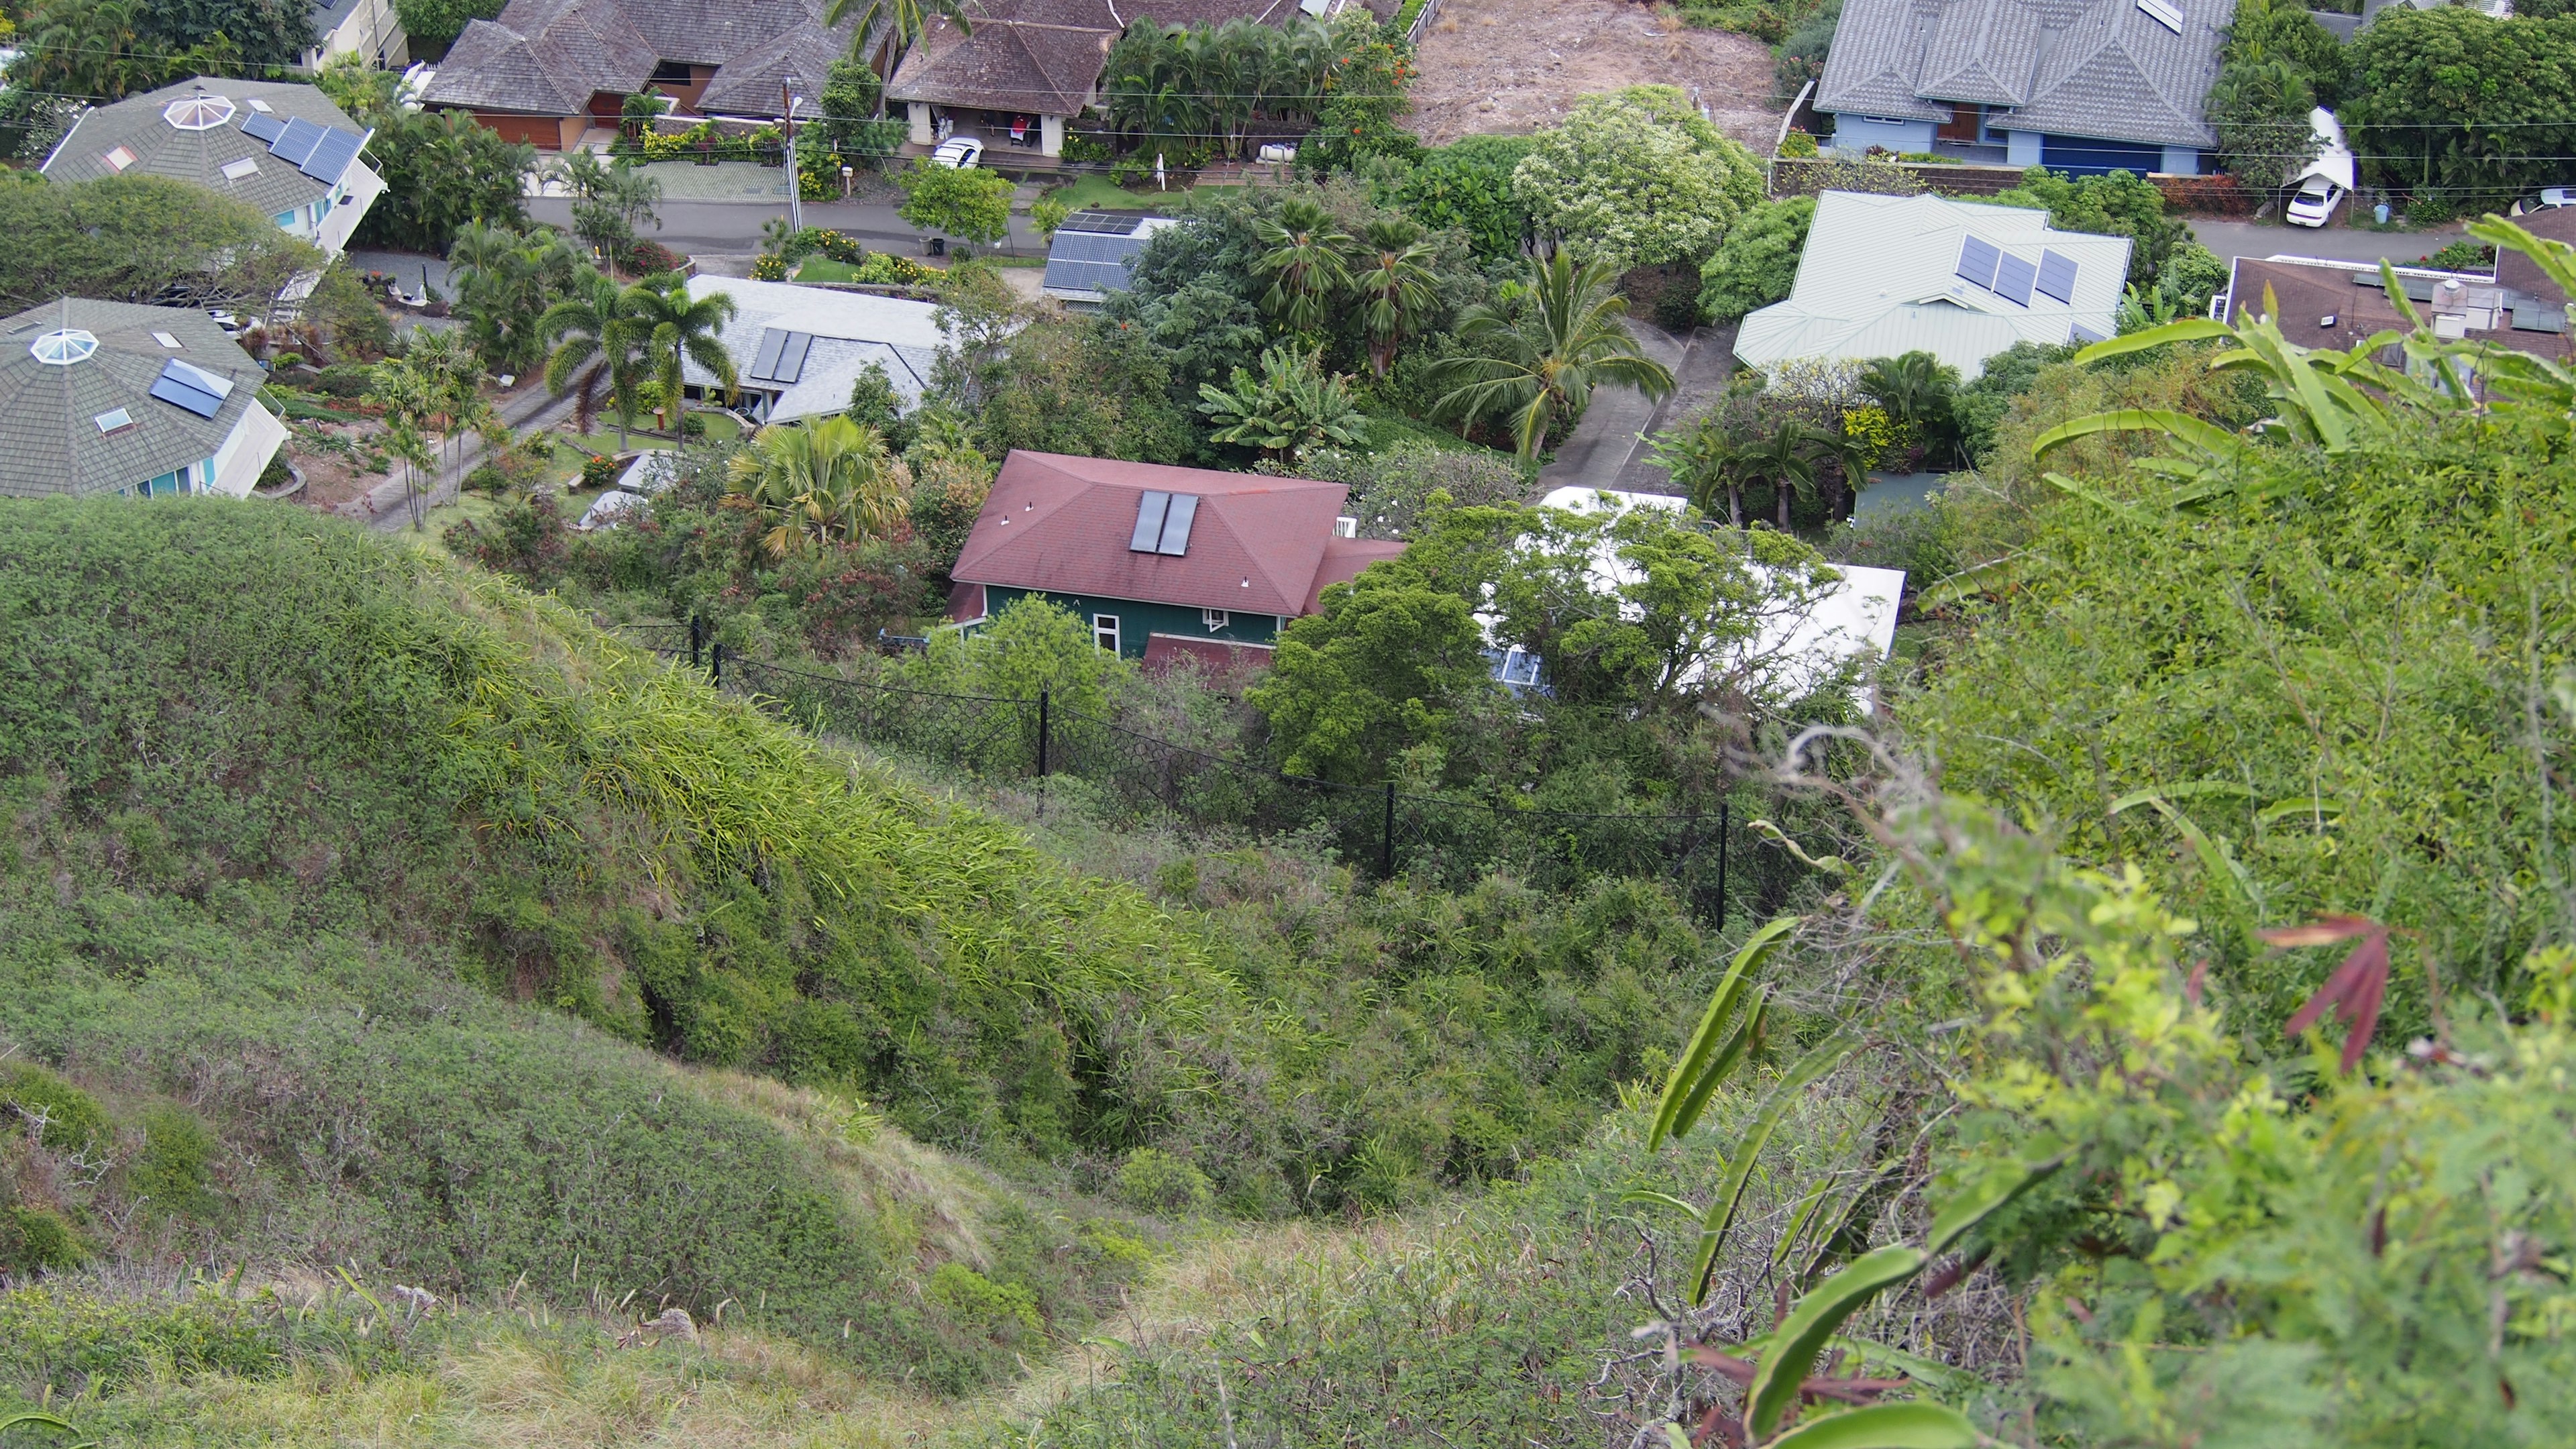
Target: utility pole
x=787, y=99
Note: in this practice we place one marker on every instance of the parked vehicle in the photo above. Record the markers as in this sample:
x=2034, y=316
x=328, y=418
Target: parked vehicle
x=2549, y=199
x=2314, y=201
x=959, y=152
x=2323, y=183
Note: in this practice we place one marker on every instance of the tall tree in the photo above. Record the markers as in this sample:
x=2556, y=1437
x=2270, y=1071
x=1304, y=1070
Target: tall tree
x=676, y=326
x=596, y=348
x=1393, y=279
x=906, y=19
x=1637, y=178
x=1308, y=262
x=1532, y=364
x=138, y=238
x=1786, y=459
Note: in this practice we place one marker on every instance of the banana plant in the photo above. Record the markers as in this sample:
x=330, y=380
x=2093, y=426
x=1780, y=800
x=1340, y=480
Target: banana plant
x=2335, y=401
x=33, y=1420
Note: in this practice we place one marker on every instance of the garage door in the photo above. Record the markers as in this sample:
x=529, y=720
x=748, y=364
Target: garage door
x=2077, y=156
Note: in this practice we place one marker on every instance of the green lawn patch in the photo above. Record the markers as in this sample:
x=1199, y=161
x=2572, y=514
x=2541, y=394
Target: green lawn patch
x=1095, y=193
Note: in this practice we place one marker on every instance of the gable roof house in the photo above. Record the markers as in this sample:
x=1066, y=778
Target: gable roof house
x=1163, y=563
x=1029, y=65
x=1886, y=275
x=2079, y=86
x=549, y=70
x=796, y=350
x=110, y=397
x=285, y=149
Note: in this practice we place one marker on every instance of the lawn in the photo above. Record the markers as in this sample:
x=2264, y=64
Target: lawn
x=1097, y=194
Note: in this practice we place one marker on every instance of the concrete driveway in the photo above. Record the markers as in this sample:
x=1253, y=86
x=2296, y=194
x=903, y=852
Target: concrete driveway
x=1608, y=448
x=2335, y=243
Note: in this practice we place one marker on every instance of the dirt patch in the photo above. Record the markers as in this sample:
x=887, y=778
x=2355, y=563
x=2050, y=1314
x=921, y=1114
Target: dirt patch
x=1510, y=67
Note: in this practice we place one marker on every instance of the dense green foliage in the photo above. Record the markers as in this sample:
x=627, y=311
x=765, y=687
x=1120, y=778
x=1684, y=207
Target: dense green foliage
x=1758, y=262
x=2459, y=109
x=443, y=170
x=1637, y=178
x=141, y=239
x=2276, y=65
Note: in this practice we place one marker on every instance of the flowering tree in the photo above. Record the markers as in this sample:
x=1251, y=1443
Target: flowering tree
x=1637, y=178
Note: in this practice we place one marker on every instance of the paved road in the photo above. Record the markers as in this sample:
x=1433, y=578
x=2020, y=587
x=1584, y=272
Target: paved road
x=1608, y=448
x=2346, y=244
x=734, y=226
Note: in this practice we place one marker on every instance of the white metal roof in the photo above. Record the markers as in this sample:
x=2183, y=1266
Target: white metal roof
x=2334, y=158
x=1881, y=276
x=850, y=330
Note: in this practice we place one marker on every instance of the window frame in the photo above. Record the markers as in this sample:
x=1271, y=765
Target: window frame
x=1105, y=632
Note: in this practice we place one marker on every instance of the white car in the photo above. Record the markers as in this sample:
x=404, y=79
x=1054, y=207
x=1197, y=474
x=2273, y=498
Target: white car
x=2555, y=196
x=2314, y=201
x=959, y=152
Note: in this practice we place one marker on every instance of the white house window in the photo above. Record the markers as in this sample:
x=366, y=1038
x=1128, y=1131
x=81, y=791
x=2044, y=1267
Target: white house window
x=1215, y=619
x=1104, y=631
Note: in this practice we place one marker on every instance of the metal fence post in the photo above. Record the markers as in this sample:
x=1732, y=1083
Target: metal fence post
x=1723, y=831
x=1044, y=695
x=697, y=640
x=715, y=671
x=1386, y=841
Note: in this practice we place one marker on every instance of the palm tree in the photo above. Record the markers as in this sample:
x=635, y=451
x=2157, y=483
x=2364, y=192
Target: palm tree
x=821, y=482
x=675, y=325
x=594, y=345
x=1536, y=364
x=502, y=281
x=907, y=18
x=1851, y=458
x=1394, y=286
x=1918, y=390
x=1704, y=458
x=1308, y=263
x=1787, y=459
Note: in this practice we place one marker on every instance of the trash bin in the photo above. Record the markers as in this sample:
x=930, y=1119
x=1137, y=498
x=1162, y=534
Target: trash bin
x=939, y=246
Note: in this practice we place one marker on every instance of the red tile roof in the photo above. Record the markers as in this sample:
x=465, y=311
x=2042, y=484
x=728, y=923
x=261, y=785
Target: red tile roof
x=1259, y=545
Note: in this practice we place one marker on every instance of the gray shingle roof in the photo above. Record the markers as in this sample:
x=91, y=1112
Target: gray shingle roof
x=2095, y=68
x=138, y=124
x=50, y=442
x=547, y=57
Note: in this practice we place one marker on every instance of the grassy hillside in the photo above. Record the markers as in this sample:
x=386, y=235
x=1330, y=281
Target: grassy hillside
x=370, y=911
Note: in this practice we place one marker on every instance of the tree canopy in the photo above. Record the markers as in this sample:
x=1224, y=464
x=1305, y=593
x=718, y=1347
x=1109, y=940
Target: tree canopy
x=141, y=239
x=2461, y=109
x=1637, y=178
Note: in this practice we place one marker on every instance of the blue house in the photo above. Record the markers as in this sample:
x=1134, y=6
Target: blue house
x=2079, y=86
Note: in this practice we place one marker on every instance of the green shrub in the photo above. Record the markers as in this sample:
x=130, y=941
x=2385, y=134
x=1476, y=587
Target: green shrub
x=1006, y=1312
x=1158, y=1182
x=33, y=1238
x=599, y=470
x=346, y=379
x=74, y=1121
x=173, y=1171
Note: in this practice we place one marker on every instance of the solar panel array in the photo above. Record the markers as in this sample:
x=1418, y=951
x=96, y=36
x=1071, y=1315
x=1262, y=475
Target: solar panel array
x=1091, y=261
x=1106, y=223
x=321, y=152
x=2011, y=278
x=192, y=388
x=781, y=358
x=1163, y=523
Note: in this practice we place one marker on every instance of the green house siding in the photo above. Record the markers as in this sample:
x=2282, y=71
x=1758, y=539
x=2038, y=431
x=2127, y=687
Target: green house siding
x=1137, y=619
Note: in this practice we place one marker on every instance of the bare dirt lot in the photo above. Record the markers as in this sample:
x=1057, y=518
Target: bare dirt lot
x=1509, y=67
